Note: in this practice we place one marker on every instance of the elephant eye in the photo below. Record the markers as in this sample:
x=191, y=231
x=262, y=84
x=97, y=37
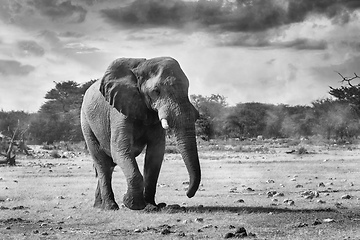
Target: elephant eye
x=156, y=92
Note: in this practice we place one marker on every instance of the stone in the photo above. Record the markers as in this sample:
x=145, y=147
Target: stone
x=347, y=196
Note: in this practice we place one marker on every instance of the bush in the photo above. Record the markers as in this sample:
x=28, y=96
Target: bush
x=55, y=154
x=303, y=150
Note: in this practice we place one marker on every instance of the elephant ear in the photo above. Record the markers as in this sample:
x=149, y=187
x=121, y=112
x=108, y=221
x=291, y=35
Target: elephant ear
x=120, y=88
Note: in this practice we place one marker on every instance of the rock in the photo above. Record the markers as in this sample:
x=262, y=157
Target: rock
x=229, y=235
x=241, y=230
x=181, y=234
x=316, y=222
x=233, y=190
x=279, y=195
x=293, y=179
x=309, y=194
x=340, y=206
x=271, y=193
x=137, y=230
x=165, y=231
x=250, y=189
x=270, y=181
x=207, y=226
x=199, y=220
x=347, y=196
x=320, y=201
x=289, y=202
x=321, y=184
x=240, y=201
x=299, y=186
x=328, y=220
x=300, y=225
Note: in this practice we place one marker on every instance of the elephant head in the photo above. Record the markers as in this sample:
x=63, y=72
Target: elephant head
x=155, y=91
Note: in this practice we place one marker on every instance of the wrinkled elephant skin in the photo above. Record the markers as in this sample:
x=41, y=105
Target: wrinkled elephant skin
x=129, y=109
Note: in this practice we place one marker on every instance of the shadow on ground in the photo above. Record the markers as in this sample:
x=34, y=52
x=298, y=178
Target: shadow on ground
x=244, y=209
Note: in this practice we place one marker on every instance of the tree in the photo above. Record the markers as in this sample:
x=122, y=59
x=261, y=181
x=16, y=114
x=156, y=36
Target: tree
x=59, y=117
x=7, y=144
x=349, y=94
x=336, y=119
x=211, y=110
x=246, y=120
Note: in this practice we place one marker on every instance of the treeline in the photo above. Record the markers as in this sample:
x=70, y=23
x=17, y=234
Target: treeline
x=58, y=119
x=331, y=119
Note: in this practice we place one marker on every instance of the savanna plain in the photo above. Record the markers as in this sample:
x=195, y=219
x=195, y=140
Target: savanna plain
x=260, y=189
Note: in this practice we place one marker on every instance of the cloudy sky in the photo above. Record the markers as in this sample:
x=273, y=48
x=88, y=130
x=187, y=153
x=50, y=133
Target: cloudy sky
x=273, y=51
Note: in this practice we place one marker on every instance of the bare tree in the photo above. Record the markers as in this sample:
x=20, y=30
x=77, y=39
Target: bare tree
x=348, y=79
x=9, y=153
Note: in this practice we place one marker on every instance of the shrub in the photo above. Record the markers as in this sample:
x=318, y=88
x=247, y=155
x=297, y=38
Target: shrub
x=303, y=150
x=55, y=154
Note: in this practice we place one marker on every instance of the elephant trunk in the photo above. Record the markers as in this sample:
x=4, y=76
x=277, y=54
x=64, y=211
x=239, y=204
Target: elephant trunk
x=182, y=119
x=187, y=145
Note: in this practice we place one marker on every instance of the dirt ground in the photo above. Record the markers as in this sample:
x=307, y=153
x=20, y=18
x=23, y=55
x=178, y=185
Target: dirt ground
x=272, y=195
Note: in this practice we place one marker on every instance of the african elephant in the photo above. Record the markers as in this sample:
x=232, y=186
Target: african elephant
x=129, y=108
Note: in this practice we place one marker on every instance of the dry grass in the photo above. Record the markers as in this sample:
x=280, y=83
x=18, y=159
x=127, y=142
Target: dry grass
x=52, y=198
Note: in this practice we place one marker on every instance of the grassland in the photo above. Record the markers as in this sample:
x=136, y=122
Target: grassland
x=275, y=190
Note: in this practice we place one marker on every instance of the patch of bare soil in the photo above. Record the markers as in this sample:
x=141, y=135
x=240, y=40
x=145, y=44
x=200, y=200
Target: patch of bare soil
x=248, y=195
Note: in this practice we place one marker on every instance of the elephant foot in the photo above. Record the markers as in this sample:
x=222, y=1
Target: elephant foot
x=134, y=201
x=98, y=204
x=110, y=205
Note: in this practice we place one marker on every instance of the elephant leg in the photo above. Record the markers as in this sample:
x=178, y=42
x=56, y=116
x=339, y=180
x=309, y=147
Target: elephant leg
x=153, y=161
x=104, y=195
x=98, y=200
x=133, y=198
x=104, y=167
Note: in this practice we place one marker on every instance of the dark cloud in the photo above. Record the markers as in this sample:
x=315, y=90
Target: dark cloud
x=56, y=10
x=92, y=2
x=225, y=16
x=263, y=39
x=258, y=39
x=71, y=34
x=304, y=44
x=30, y=48
x=10, y=67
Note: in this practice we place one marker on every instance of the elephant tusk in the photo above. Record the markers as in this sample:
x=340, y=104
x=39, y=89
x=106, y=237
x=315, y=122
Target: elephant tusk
x=164, y=124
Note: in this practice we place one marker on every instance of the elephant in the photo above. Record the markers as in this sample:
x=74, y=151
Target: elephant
x=130, y=108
